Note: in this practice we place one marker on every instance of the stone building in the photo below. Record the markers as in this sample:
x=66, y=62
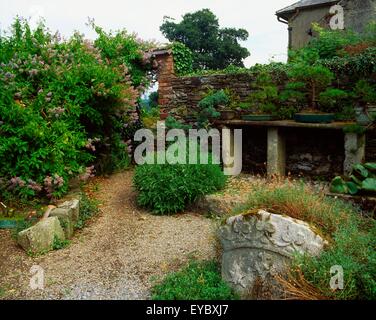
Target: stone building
x=338, y=14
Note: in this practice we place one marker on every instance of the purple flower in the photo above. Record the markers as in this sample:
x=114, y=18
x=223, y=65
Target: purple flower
x=33, y=72
x=17, y=182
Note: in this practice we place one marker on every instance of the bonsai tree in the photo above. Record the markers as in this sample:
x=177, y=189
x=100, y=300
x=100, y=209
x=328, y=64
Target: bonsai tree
x=315, y=77
x=332, y=99
x=208, y=106
x=291, y=99
x=265, y=95
x=365, y=93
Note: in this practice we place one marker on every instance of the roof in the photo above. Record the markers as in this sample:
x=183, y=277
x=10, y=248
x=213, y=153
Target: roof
x=161, y=51
x=303, y=4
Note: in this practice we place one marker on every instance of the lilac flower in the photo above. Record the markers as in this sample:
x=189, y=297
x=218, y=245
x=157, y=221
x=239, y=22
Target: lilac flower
x=89, y=173
x=58, y=181
x=90, y=144
x=34, y=186
x=9, y=75
x=17, y=182
x=57, y=112
x=33, y=72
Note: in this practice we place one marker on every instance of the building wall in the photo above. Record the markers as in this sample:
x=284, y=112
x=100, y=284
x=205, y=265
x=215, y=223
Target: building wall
x=358, y=13
x=302, y=23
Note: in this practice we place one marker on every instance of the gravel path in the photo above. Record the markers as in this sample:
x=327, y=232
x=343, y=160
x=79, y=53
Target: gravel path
x=115, y=257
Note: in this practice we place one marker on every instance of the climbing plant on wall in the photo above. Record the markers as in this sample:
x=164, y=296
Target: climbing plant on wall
x=183, y=59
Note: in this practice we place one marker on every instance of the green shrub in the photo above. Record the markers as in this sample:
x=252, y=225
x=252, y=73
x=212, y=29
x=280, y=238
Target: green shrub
x=354, y=250
x=168, y=188
x=361, y=180
x=88, y=209
x=59, y=244
x=198, y=281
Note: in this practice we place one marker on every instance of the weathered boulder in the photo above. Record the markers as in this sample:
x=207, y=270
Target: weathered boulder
x=66, y=219
x=74, y=206
x=258, y=247
x=218, y=205
x=40, y=237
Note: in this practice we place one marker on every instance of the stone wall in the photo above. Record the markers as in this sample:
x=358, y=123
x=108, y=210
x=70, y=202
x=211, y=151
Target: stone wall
x=188, y=91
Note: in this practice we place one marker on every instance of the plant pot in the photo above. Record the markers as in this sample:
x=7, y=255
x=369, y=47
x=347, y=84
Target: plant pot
x=365, y=116
x=314, y=117
x=228, y=114
x=8, y=224
x=259, y=117
x=190, y=119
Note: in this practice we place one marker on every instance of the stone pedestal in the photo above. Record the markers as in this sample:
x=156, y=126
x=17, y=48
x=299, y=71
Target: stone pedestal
x=232, y=150
x=258, y=247
x=355, y=149
x=276, y=163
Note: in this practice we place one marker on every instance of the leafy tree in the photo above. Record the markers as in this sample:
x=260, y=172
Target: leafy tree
x=213, y=47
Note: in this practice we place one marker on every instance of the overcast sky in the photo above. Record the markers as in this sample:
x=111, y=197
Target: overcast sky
x=267, y=41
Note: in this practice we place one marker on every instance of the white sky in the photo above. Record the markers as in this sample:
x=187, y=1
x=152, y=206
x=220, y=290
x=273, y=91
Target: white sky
x=267, y=41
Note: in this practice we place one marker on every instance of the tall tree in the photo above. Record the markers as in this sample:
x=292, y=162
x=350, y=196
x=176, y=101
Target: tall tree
x=212, y=47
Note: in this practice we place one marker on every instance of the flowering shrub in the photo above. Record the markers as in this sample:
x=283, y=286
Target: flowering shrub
x=63, y=104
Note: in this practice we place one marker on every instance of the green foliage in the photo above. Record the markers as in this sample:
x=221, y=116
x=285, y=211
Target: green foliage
x=332, y=99
x=63, y=104
x=365, y=92
x=316, y=78
x=212, y=47
x=209, y=105
x=214, y=100
x=168, y=188
x=183, y=59
x=88, y=209
x=59, y=244
x=362, y=180
x=264, y=95
x=354, y=250
x=197, y=281
x=172, y=123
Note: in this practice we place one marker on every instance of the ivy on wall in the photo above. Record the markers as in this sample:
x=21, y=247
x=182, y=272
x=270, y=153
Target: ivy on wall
x=183, y=59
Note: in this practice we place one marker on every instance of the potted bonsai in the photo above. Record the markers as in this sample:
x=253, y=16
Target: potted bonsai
x=365, y=94
x=333, y=100
x=291, y=100
x=218, y=105
x=316, y=79
x=262, y=101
